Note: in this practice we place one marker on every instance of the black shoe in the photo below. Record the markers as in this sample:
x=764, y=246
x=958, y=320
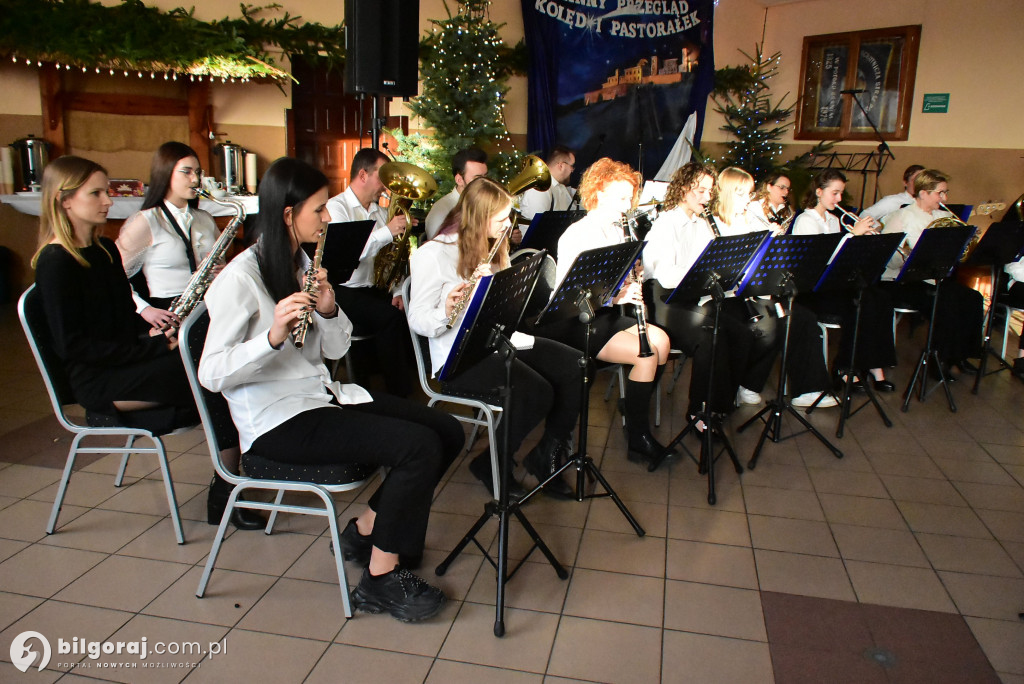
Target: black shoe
x=481, y=469
x=402, y=594
x=354, y=546
x=643, y=448
x=883, y=386
x=217, y=501
x=543, y=460
x=965, y=366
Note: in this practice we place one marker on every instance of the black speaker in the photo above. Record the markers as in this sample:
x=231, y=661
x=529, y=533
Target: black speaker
x=382, y=47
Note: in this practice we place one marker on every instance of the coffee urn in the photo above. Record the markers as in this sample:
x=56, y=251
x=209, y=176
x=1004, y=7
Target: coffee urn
x=31, y=155
x=230, y=166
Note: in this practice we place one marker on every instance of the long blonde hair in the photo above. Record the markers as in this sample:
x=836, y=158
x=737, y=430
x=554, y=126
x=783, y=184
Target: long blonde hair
x=478, y=203
x=724, y=203
x=61, y=179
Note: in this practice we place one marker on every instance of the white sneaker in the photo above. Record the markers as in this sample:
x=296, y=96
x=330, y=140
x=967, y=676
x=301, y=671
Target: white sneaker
x=748, y=397
x=808, y=398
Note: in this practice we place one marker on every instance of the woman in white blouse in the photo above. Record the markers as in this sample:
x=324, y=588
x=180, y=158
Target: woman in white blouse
x=170, y=236
x=771, y=202
x=288, y=409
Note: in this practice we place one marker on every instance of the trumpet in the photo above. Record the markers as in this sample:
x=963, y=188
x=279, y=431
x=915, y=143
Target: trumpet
x=309, y=286
x=628, y=221
x=467, y=294
x=853, y=217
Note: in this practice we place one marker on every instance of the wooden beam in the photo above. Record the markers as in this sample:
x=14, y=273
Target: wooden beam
x=51, y=92
x=200, y=121
x=127, y=105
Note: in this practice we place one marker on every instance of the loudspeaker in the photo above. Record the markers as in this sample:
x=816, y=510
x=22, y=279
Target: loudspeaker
x=382, y=47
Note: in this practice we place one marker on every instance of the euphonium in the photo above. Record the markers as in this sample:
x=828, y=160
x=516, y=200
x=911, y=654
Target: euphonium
x=406, y=183
x=627, y=222
x=197, y=285
x=949, y=222
x=309, y=286
x=534, y=176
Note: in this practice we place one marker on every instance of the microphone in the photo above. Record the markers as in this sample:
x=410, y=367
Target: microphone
x=852, y=91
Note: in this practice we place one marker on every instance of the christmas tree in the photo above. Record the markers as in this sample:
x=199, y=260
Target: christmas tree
x=464, y=67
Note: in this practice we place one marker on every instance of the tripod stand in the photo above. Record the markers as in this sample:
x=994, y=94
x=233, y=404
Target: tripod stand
x=929, y=354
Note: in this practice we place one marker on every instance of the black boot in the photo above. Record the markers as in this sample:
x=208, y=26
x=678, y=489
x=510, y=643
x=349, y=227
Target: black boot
x=642, y=447
x=217, y=501
x=481, y=469
x=543, y=460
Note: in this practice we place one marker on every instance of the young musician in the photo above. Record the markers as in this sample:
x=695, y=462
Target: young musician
x=288, y=409
x=467, y=165
x=960, y=309
x=545, y=374
x=772, y=201
x=170, y=236
x=875, y=346
x=371, y=310
x=608, y=190
x=890, y=203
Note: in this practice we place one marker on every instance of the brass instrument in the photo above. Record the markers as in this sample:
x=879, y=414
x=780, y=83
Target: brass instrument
x=309, y=286
x=949, y=222
x=534, y=176
x=628, y=223
x=406, y=183
x=467, y=294
x=197, y=285
x=853, y=217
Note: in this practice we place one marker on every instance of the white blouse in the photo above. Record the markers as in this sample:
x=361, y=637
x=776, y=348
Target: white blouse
x=149, y=243
x=438, y=213
x=911, y=220
x=433, y=270
x=556, y=198
x=347, y=207
x=265, y=386
x=589, y=232
x=673, y=244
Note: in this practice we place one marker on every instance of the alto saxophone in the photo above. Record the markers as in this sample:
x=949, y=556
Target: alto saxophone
x=309, y=286
x=467, y=294
x=197, y=285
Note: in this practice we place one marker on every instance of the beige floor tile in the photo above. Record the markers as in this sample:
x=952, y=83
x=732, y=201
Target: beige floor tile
x=229, y=596
x=854, y=460
x=943, y=446
x=254, y=657
x=14, y=606
x=446, y=530
x=26, y=520
x=625, y=553
x=714, y=659
x=1005, y=453
x=267, y=554
x=779, y=476
x=385, y=632
x=105, y=531
x=788, y=534
x=899, y=586
x=922, y=490
x=138, y=467
x=895, y=547
x=710, y=609
x=961, y=554
x=1001, y=641
x=863, y=511
x=731, y=566
x=642, y=487
x=84, y=489
x=708, y=525
x=157, y=543
x=299, y=608
x=993, y=497
x=9, y=673
x=1016, y=551
x=782, y=503
x=605, y=515
x=354, y=665
x=9, y=547
x=148, y=497
x=535, y=586
x=594, y=650
x=793, y=573
x=952, y=520
x=526, y=645
x=983, y=596
x=620, y=598
x=23, y=481
x=984, y=472
x=546, y=510
x=694, y=492
x=563, y=541
x=41, y=570
x=451, y=672
x=463, y=498
x=836, y=481
x=905, y=464
x=139, y=581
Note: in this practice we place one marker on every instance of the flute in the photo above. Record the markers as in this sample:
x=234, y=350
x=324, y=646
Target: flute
x=309, y=286
x=463, y=300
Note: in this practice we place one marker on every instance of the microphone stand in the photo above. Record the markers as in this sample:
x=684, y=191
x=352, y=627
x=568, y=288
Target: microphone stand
x=883, y=147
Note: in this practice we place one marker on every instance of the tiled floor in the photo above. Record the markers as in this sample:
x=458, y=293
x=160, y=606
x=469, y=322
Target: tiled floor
x=900, y=562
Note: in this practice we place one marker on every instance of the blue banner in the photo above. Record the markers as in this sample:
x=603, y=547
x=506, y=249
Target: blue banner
x=617, y=78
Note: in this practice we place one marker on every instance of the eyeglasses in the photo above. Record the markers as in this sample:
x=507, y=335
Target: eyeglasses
x=785, y=188
x=187, y=171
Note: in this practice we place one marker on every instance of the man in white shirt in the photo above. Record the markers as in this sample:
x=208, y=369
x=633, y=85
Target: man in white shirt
x=559, y=197
x=373, y=311
x=891, y=203
x=467, y=165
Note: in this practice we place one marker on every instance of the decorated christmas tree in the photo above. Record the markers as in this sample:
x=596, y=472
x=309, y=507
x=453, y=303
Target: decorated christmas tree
x=464, y=66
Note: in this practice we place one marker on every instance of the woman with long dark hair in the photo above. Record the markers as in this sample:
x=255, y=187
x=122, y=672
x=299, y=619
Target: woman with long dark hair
x=288, y=409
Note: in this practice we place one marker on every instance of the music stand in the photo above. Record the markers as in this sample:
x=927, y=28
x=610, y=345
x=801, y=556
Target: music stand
x=936, y=253
x=789, y=264
x=857, y=264
x=1000, y=245
x=546, y=227
x=716, y=270
x=595, y=275
x=494, y=311
x=343, y=246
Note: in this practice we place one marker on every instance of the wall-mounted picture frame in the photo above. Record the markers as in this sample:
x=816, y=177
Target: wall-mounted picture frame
x=880, y=62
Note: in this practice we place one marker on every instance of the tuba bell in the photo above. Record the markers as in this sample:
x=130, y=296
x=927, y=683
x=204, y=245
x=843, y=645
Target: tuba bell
x=405, y=183
x=534, y=176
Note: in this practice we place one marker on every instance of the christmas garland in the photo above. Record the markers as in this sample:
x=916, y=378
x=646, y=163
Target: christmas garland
x=134, y=37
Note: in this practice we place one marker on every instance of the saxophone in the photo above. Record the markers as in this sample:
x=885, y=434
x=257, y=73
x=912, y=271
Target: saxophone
x=309, y=286
x=197, y=285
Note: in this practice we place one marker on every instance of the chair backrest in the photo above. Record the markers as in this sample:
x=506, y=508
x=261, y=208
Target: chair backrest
x=420, y=345
x=40, y=341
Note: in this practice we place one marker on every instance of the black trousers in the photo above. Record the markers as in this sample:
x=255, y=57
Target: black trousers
x=958, y=318
x=371, y=312
x=546, y=386
x=805, y=367
x=875, y=345
x=417, y=444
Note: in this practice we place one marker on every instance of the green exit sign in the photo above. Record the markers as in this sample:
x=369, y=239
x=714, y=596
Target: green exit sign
x=935, y=103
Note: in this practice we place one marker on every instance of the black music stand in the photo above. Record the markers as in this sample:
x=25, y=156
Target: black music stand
x=716, y=270
x=789, y=264
x=595, y=275
x=936, y=253
x=546, y=227
x=857, y=264
x=1000, y=245
x=343, y=246
x=493, y=312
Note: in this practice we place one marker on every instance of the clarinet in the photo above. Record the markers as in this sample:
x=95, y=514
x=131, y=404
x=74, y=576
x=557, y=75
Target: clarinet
x=710, y=218
x=639, y=310
x=309, y=286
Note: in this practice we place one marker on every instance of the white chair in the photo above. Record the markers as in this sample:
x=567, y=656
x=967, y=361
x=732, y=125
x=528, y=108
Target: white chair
x=485, y=414
x=321, y=481
x=825, y=327
x=1006, y=327
x=897, y=316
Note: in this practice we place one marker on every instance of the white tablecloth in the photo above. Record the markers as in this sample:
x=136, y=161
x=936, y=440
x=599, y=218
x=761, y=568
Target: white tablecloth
x=126, y=206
